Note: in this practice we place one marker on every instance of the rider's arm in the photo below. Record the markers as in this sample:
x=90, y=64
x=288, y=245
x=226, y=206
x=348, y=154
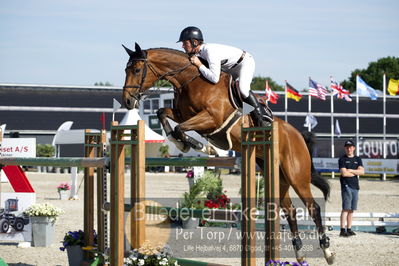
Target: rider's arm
x=213, y=72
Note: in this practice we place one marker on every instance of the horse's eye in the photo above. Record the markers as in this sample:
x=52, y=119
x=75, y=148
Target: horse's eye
x=137, y=70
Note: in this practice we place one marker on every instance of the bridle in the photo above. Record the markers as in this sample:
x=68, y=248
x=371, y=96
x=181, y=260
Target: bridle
x=168, y=75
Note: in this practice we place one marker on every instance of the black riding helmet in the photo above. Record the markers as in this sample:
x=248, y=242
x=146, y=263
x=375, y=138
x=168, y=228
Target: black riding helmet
x=191, y=33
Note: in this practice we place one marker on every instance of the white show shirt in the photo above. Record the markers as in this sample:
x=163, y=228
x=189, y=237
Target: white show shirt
x=215, y=55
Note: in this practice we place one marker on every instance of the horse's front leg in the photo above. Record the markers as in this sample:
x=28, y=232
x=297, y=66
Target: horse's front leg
x=163, y=114
x=202, y=122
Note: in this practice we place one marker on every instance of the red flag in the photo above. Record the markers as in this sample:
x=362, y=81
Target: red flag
x=102, y=119
x=271, y=96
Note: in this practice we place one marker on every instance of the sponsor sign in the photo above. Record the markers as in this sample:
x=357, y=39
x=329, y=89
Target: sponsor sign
x=371, y=166
x=18, y=147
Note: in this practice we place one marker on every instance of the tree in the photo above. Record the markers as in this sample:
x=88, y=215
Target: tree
x=103, y=84
x=258, y=83
x=374, y=72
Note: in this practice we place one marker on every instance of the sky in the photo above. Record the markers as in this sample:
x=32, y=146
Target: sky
x=67, y=42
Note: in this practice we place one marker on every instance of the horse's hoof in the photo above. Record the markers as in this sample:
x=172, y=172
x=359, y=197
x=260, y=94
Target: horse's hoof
x=211, y=150
x=330, y=260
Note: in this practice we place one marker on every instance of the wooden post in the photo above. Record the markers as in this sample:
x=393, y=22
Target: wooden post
x=137, y=196
x=89, y=195
x=102, y=192
x=248, y=191
x=272, y=198
x=117, y=197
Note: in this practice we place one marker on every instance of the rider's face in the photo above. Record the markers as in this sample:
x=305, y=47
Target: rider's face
x=186, y=45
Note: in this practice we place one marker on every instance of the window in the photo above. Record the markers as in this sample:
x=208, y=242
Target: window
x=147, y=107
x=155, y=105
x=151, y=106
x=168, y=103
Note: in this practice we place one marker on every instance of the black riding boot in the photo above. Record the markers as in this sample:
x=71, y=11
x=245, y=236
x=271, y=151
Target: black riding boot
x=262, y=118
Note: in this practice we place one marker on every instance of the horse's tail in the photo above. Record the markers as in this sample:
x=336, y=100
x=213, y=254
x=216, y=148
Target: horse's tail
x=316, y=179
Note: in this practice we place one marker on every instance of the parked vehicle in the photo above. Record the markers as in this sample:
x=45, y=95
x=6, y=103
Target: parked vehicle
x=10, y=216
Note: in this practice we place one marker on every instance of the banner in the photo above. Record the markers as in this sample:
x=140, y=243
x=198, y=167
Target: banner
x=18, y=147
x=371, y=166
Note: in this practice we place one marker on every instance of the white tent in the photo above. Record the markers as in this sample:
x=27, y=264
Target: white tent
x=131, y=118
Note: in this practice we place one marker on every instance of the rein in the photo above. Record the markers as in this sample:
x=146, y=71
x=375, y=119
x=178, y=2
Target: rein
x=159, y=76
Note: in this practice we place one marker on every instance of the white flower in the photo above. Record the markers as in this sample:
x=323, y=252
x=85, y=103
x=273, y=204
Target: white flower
x=141, y=262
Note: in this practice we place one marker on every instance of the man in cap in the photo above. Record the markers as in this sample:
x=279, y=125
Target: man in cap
x=350, y=167
x=238, y=63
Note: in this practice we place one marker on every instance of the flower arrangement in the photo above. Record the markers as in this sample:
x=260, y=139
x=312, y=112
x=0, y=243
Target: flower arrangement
x=281, y=263
x=63, y=186
x=149, y=255
x=75, y=238
x=44, y=209
x=217, y=200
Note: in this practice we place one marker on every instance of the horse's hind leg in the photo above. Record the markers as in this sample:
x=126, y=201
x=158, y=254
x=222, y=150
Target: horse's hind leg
x=290, y=214
x=313, y=207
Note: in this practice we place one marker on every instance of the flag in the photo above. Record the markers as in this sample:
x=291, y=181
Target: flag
x=340, y=91
x=102, y=118
x=310, y=120
x=271, y=96
x=246, y=108
x=317, y=90
x=116, y=105
x=337, y=129
x=363, y=89
x=393, y=87
x=292, y=93
x=3, y=129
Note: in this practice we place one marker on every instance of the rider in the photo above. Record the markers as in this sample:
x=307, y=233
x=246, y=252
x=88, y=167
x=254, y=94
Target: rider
x=238, y=63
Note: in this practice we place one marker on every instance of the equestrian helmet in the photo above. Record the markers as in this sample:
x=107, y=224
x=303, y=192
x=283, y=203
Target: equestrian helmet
x=190, y=33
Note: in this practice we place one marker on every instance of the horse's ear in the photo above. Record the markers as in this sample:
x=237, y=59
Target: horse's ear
x=130, y=52
x=137, y=47
x=138, y=50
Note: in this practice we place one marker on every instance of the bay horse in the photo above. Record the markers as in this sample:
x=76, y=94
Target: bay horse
x=204, y=107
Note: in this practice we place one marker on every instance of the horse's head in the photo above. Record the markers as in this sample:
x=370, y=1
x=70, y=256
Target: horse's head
x=138, y=79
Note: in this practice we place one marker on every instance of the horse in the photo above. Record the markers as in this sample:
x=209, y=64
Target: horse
x=205, y=107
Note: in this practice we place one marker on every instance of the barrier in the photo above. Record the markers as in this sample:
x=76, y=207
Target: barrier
x=253, y=139
x=263, y=139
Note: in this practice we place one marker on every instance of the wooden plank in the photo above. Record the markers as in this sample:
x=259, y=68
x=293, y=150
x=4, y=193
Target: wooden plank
x=89, y=196
x=117, y=198
x=248, y=255
x=137, y=226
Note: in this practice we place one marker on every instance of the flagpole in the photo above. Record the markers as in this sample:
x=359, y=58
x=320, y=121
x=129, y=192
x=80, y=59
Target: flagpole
x=309, y=110
x=332, y=129
x=384, y=81
x=357, y=117
x=286, y=102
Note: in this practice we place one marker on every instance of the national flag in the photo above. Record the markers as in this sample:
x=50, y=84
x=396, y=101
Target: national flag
x=363, y=89
x=317, y=90
x=311, y=121
x=271, y=96
x=340, y=91
x=292, y=93
x=393, y=87
x=102, y=118
x=337, y=129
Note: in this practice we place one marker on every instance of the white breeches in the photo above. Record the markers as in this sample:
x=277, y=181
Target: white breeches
x=244, y=72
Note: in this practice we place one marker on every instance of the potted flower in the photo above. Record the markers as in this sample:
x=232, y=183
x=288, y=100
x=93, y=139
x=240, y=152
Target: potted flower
x=43, y=217
x=63, y=189
x=148, y=255
x=73, y=242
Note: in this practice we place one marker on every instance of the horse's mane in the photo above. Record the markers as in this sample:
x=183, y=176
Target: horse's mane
x=174, y=51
